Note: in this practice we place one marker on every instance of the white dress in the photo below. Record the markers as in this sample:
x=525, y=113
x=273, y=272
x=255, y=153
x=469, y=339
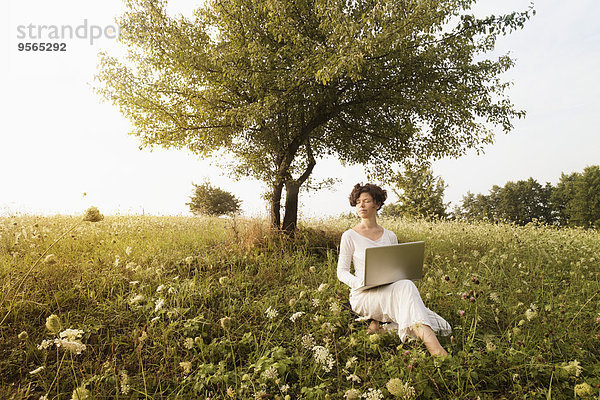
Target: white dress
x=399, y=302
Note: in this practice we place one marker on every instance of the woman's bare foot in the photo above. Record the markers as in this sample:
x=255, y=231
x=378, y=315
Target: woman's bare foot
x=374, y=327
x=426, y=334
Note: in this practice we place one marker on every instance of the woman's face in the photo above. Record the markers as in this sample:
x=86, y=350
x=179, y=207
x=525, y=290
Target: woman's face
x=366, y=207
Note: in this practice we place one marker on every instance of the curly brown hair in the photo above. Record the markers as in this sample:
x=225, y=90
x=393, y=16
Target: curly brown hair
x=378, y=194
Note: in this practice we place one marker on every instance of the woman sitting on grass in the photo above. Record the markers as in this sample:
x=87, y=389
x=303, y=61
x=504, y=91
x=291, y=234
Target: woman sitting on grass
x=399, y=302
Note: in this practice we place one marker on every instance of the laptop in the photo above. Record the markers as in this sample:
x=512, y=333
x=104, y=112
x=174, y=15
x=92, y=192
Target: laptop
x=387, y=264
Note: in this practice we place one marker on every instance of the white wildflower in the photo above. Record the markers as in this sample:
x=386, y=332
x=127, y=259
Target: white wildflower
x=188, y=343
x=186, y=366
x=352, y=394
x=80, y=393
x=573, y=368
x=323, y=357
x=225, y=323
x=284, y=388
x=296, y=315
x=335, y=308
x=530, y=314
x=71, y=334
x=271, y=313
x=189, y=260
x=124, y=381
x=160, y=288
x=271, y=373
x=128, y=250
x=399, y=389
x=353, y=378
x=315, y=302
x=308, y=341
x=117, y=260
x=132, y=266
x=494, y=297
x=137, y=300
x=74, y=346
x=351, y=362
x=261, y=394
x=45, y=344
x=158, y=305
x=37, y=370
x=373, y=394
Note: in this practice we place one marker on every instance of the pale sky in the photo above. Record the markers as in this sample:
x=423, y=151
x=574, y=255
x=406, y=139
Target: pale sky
x=58, y=141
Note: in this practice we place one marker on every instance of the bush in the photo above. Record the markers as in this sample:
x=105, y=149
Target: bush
x=209, y=200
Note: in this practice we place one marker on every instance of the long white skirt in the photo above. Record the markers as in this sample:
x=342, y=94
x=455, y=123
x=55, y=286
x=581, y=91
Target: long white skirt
x=399, y=303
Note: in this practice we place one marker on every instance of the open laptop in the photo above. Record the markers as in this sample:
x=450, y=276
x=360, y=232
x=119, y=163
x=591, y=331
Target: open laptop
x=387, y=264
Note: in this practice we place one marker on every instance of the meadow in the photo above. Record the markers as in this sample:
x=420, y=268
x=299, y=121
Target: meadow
x=141, y=307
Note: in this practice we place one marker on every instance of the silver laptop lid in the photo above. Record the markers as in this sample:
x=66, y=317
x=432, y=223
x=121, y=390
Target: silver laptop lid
x=386, y=264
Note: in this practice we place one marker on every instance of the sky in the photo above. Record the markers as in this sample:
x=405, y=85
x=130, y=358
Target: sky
x=63, y=150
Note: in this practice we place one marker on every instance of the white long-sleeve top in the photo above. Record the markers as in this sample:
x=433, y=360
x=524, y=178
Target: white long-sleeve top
x=352, y=250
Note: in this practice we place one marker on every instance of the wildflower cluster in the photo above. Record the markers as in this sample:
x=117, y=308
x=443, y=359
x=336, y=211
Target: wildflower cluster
x=69, y=339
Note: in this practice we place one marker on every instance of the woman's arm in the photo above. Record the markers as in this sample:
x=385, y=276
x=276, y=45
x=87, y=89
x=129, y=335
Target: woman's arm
x=344, y=261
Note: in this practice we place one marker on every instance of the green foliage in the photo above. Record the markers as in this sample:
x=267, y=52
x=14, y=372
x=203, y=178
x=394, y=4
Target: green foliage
x=562, y=195
x=520, y=202
x=420, y=194
x=279, y=84
x=531, y=329
x=583, y=209
x=574, y=201
x=209, y=200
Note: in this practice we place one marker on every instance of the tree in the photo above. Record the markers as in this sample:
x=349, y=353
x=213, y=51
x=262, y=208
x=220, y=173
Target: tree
x=279, y=84
x=209, y=200
x=584, y=207
x=523, y=202
x=419, y=192
x=520, y=202
x=474, y=207
x=562, y=195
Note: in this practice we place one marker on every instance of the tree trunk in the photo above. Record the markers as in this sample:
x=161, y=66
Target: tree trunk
x=275, y=214
x=292, y=188
x=290, y=218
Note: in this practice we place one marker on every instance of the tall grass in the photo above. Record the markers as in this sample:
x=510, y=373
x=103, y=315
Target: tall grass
x=176, y=307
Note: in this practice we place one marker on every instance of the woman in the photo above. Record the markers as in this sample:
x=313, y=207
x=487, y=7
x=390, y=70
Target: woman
x=398, y=302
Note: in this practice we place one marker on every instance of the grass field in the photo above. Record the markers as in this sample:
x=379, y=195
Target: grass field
x=177, y=307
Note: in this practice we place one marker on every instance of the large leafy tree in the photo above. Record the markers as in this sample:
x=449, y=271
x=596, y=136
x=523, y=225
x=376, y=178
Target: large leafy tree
x=279, y=84
x=419, y=192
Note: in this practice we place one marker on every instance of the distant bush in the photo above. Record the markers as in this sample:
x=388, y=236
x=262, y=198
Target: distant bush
x=209, y=200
